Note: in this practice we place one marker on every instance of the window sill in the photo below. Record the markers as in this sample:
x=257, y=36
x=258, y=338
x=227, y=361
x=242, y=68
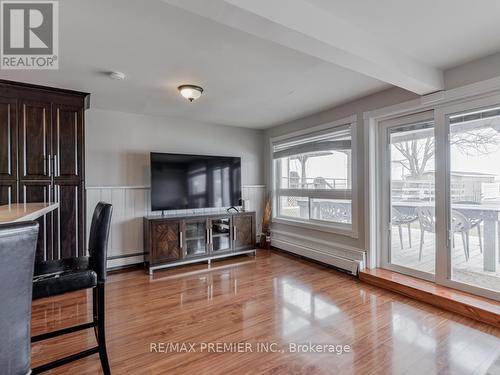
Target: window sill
x=341, y=229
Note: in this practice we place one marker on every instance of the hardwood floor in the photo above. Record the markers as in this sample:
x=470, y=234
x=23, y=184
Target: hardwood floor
x=273, y=298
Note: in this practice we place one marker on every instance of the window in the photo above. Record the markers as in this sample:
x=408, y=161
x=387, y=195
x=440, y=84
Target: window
x=313, y=177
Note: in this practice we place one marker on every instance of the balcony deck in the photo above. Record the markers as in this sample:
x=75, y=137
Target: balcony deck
x=470, y=272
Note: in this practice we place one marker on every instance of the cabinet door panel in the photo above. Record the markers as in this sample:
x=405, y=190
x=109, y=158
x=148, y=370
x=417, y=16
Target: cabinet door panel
x=8, y=139
x=69, y=234
x=220, y=235
x=35, y=192
x=8, y=192
x=67, y=133
x=34, y=140
x=196, y=243
x=243, y=232
x=166, y=241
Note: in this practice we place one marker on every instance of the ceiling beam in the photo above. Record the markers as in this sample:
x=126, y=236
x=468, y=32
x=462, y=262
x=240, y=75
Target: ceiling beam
x=301, y=26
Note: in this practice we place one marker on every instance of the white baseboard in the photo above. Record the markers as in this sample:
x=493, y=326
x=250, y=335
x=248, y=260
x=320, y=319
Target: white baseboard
x=125, y=261
x=351, y=266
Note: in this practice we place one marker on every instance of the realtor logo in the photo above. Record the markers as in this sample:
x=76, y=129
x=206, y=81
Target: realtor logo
x=29, y=35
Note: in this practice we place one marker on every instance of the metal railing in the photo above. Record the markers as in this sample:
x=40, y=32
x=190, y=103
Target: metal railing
x=314, y=183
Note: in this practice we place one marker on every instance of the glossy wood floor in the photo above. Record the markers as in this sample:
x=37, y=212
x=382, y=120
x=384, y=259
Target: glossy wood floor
x=272, y=298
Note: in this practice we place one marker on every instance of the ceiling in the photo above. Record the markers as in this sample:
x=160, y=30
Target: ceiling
x=257, y=69
x=444, y=33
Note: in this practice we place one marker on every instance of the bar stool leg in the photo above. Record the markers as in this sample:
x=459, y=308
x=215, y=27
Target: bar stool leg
x=101, y=334
x=94, y=312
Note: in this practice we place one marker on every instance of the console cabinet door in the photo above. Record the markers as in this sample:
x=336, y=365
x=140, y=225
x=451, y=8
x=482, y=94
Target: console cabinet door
x=196, y=242
x=220, y=235
x=67, y=135
x=166, y=241
x=243, y=232
x=34, y=140
x=8, y=139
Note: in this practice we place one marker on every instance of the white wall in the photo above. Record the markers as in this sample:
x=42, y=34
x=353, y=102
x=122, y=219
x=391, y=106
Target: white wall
x=117, y=167
x=474, y=71
x=118, y=146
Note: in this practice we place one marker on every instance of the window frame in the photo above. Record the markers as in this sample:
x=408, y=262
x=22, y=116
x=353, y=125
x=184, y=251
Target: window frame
x=350, y=230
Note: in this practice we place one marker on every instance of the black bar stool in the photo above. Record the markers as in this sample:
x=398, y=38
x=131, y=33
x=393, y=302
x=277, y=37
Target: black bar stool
x=17, y=251
x=67, y=275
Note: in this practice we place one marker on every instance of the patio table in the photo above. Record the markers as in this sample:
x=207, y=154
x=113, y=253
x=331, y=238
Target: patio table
x=490, y=214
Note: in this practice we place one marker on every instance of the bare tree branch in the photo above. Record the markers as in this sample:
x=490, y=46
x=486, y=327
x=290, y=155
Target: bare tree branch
x=417, y=153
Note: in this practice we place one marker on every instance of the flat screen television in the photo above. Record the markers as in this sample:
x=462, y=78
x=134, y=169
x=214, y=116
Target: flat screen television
x=180, y=181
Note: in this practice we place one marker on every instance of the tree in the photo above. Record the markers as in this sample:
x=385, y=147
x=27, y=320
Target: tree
x=419, y=151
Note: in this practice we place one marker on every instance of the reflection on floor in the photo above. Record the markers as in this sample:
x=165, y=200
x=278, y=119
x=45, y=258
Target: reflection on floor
x=273, y=299
x=470, y=272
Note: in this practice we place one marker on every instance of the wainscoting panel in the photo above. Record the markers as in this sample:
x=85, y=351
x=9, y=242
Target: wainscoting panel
x=131, y=203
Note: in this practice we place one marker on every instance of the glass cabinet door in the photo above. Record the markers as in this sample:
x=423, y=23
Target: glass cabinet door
x=196, y=238
x=220, y=234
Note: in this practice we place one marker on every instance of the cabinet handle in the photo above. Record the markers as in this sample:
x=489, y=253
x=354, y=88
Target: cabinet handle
x=208, y=236
x=234, y=232
x=180, y=239
x=56, y=167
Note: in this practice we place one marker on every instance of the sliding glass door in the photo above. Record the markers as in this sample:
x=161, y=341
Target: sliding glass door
x=408, y=149
x=440, y=195
x=472, y=196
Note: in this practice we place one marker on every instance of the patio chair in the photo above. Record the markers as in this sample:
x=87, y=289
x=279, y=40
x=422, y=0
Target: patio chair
x=459, y=224
x=475, y=222
x=338, y=212
x=399, y=219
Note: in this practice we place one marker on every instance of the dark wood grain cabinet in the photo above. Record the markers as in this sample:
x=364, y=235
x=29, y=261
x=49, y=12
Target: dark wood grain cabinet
x=166, y=245
x=40, y=191
x=69, y=230
x=8, y=139
x=8, y=192
x=243, y=231
x=34, y=140
x=42, y=159
x=175, y=240
x=67, y=136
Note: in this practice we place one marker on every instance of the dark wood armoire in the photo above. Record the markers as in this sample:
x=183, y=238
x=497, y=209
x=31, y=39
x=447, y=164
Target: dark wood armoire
x=42, y=159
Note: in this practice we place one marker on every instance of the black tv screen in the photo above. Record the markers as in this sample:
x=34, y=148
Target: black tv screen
x=181, y=181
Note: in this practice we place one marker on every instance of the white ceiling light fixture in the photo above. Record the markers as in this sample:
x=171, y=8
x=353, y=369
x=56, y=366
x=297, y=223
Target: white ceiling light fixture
x=190, y=92
x=119, y=76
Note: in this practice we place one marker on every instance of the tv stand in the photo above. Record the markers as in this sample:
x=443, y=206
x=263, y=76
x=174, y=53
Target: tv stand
x=174, y=240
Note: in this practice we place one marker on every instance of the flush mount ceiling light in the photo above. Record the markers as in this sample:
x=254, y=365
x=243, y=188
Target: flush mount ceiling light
x=190, y=92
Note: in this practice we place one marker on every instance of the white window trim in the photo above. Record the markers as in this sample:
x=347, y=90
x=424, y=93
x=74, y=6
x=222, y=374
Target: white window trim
x=350, y=230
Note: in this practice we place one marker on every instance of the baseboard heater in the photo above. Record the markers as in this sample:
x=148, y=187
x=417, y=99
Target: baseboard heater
x=349, y=265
